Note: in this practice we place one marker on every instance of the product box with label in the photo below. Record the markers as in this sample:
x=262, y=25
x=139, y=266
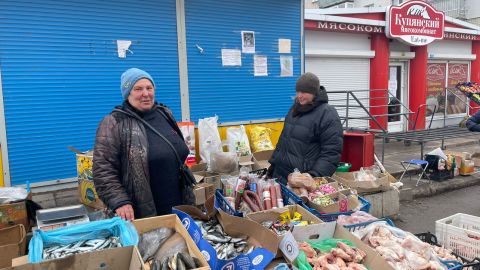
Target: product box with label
x=14, y=213
x=13, y=243
x=171, y=221
x=274, y=215
x=257, y=235
x=122, y=258
x=381, y=182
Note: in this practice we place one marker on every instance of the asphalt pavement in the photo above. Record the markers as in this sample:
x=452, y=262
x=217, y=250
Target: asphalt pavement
x=419, y=215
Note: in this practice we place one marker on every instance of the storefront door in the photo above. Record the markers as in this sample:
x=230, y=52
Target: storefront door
x=398, y=96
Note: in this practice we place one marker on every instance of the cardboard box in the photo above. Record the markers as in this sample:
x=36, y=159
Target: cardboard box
x=373, y=260
x=260, y=159
x=345, y=201
x=382, y=182
x=123, y=258
x=200, y=173
x=14, y=213
x=13, y=244
x=257, y=235
x=200, y=193
x=274, y=214
x=171, y=221
x=467, y=167
x=385, y=203
x=476, y=159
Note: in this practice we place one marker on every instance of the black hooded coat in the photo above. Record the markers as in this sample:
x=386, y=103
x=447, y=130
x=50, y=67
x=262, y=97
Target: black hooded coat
x=311, y=140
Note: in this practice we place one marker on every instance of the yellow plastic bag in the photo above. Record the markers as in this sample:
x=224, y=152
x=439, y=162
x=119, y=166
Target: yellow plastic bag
x=260, y=138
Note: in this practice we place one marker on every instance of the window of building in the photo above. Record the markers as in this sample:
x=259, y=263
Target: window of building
x=397, y=2
x=441, y=76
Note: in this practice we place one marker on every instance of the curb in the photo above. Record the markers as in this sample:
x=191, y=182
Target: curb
x=434, y=188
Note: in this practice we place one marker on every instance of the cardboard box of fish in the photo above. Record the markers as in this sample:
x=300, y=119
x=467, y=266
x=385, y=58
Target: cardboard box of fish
x=229, y=241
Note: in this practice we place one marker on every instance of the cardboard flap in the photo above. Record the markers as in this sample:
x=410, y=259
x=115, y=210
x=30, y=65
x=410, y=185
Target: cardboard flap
x=192, y=211
x=257, y=234
x=245, y=160
x=382, y=182
x=263, y=155
x=196, y=213
x=315, y=232
x=12, y=235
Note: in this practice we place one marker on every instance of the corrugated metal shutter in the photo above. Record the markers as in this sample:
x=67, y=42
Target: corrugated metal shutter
x=342, y=74
x=233, y=93
x=61, y=73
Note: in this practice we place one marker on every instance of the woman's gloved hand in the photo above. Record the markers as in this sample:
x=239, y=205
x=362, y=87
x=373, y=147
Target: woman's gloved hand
x=125, y=212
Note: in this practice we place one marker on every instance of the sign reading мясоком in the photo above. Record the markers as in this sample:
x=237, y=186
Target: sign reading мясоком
x=415, y=23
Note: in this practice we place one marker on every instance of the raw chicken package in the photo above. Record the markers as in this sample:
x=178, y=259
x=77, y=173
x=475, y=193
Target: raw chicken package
x=402, y=250
x=324, y=242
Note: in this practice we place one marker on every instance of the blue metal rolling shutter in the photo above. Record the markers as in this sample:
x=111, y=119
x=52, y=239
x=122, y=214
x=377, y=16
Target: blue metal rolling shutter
x=61, y=73
x=233, y=93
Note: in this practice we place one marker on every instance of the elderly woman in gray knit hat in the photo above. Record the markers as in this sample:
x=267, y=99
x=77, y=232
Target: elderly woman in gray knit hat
x=312, y=136
x=135, y=170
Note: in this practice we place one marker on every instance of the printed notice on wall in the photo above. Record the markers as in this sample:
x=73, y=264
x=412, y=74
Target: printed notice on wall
x=260, y=65
x=284, y=45
x=286, y=66
x=231, y=57
x=122, y=48
x=248, y=42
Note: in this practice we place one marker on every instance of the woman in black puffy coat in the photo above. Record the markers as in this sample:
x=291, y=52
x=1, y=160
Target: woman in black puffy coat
x=312, y=136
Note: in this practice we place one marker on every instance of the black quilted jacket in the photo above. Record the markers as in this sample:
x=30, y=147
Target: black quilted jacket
x=311, y=141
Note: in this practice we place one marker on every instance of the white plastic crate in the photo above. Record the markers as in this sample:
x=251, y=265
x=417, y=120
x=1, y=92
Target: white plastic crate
x=460, y=233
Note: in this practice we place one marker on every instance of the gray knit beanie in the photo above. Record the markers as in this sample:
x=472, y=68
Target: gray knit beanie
x=308, y=83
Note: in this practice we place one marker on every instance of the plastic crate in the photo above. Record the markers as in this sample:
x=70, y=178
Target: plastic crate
x=222, y=203
x=289, y=197
x=465, y=263
x=461, y=234
x=292, y=197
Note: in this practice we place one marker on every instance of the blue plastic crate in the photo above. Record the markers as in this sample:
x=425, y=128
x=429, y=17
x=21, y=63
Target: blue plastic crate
x=292, y=197
x=289, y=197
x=222, y=203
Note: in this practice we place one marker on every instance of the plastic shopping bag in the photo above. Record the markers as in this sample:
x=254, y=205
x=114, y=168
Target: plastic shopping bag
x=209, y=138
x=86, y=231
x=238, y=141
x=261, y=139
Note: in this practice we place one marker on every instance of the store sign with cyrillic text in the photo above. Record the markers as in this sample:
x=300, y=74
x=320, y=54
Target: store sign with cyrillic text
x=415, y=23
x=342, y=27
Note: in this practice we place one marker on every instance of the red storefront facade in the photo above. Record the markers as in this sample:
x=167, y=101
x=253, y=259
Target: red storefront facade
x=415, y=52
